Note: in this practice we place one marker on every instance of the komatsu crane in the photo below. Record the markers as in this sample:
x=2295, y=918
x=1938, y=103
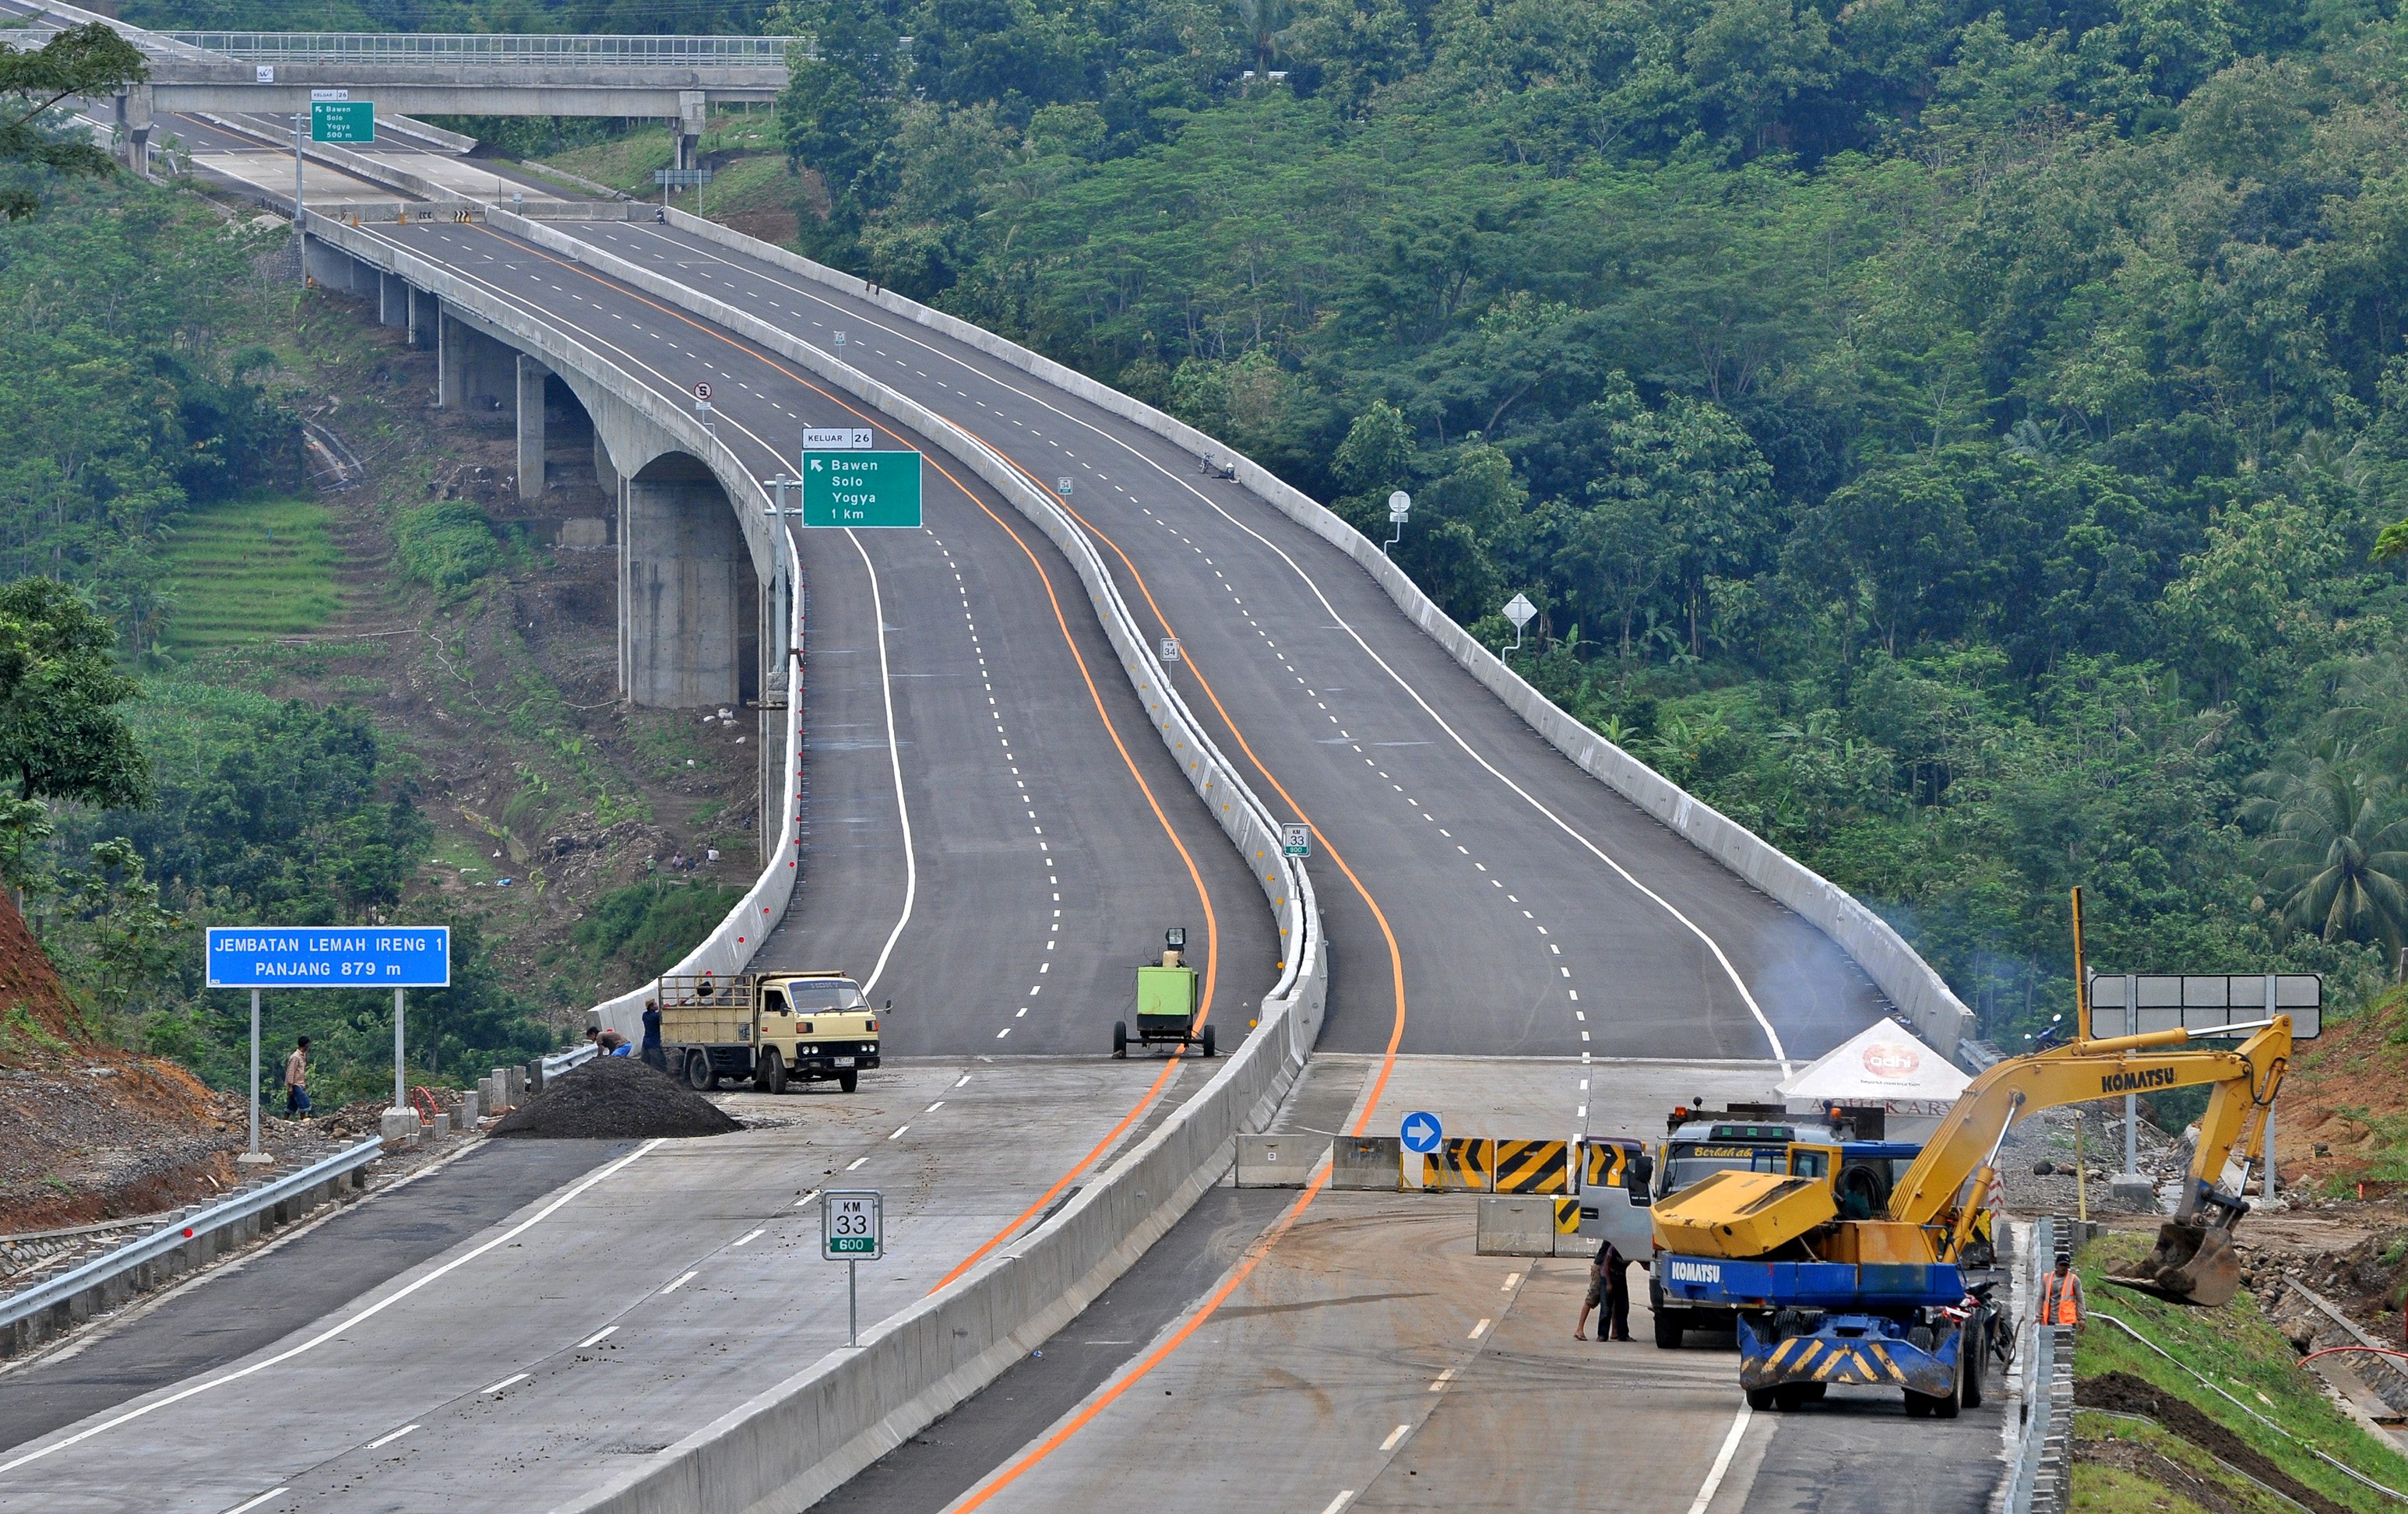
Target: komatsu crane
x=1840, y=1279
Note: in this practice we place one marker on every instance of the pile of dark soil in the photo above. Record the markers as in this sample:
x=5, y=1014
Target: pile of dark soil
x=2128, y=1394
x=616, y=1098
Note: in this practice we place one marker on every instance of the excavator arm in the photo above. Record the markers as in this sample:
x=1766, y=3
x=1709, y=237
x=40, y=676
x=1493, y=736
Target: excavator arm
x=1738, y=1214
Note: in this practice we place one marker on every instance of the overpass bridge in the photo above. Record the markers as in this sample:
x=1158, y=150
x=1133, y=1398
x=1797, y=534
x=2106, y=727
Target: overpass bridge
x=260, y=73
x=964, y=804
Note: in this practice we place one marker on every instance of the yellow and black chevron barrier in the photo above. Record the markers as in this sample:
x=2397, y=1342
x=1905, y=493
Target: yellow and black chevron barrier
x=1601, y=1165
x=1567, y=1216
x=1533, y=1167
x=1464, y=1165
x=1807, y=1359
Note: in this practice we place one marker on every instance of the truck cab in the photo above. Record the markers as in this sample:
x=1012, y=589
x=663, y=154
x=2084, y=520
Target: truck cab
x=773, y=1028
x=1699, y=1142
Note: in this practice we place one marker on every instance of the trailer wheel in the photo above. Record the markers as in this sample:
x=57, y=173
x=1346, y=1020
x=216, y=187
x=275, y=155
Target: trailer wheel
x=1119, y=1037
x=1761, y=1399
x=1207, y=1041
x=1668, y=1331
x=1944, y=1407
x=698, y=1074
x=769, y=1075
x=1794, y=1395
x=847, y=1080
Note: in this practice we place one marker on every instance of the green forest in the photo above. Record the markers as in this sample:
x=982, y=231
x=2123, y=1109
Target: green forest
x=1964, y=443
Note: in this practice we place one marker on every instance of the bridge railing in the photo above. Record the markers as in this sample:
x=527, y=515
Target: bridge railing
x=480, y=47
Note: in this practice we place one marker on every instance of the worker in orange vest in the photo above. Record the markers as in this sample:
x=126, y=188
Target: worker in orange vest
x=2060, y=1295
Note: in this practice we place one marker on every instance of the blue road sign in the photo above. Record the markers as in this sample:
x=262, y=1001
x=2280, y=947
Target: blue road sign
x=1421, y=1132
x=334, y=956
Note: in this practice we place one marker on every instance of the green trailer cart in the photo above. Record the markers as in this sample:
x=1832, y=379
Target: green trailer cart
x=1169, y=995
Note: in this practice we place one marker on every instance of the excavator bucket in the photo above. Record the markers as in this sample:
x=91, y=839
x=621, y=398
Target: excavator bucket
x=2193, y=1263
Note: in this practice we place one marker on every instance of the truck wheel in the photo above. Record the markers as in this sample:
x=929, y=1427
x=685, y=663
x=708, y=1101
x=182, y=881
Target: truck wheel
x=847, y=1080
x=1792, y=1395
x=769, y=1076
x=1944, y=1407
x=1119, y=1037
x=1918, y=1406
x=1761, y=1399
x=1207, y=1040
x=1667, y=1329
x=698, y=1074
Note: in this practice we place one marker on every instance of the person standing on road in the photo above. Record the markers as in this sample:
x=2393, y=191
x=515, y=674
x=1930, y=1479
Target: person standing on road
x=1609, y=1294
x=297, y=1081
x=653, y=1055
x=2061, y=1295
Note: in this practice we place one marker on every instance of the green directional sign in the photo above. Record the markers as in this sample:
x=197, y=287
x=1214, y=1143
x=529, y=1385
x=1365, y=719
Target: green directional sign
x=861, y=489
x=342, y=121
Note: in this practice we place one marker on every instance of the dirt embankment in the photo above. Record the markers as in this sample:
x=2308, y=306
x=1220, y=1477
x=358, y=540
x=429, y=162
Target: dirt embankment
x=2123, y=1393
x=2345, y=1104
x=95, y=1131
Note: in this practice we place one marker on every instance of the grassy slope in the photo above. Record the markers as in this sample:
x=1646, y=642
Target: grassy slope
x=2239, y=1351
x=247, y=569
x=756, y=181
x=2361, y=1065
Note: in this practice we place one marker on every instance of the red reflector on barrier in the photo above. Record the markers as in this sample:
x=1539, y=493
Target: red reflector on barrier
x=188, y=1232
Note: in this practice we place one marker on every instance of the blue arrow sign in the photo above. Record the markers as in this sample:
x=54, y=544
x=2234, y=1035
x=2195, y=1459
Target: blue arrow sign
x=1421, y=1133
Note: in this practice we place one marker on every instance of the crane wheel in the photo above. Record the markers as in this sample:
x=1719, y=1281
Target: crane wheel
x=1761, y=1399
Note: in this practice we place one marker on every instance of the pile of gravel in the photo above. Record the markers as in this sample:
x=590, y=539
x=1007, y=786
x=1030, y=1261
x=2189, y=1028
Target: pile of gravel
x=616, y=1098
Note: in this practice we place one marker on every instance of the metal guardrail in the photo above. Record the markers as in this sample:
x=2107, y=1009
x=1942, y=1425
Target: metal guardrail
x=560, y=1062
x=109, y=1265
x=491, y=47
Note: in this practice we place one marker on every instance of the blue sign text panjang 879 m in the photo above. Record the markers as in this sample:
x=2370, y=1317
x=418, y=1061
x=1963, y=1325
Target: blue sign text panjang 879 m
x=332, y=956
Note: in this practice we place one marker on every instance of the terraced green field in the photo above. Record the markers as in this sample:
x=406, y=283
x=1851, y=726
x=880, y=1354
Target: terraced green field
x=249, y=569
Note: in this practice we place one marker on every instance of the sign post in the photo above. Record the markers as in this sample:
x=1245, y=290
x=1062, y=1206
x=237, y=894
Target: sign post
x=398, y=957
x=1519, y=610
x=861, y=487
x=693, y=179
x=852, y=1229
x=1400, y=505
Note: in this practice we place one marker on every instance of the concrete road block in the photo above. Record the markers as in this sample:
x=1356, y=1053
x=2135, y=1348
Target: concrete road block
x=1514, y=1224
x=400, y=1125
x=1278, y=1160
x=471, y=1102
x=1367, y=1164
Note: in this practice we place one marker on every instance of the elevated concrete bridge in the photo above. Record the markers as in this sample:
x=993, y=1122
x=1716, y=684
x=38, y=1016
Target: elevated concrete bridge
x=273, y=73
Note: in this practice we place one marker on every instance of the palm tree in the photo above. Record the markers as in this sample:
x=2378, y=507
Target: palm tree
x=1265, y=24
x=2335, y=848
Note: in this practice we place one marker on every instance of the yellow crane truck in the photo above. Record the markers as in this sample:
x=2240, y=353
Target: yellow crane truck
x=774, y=1028
x=1841, y=1283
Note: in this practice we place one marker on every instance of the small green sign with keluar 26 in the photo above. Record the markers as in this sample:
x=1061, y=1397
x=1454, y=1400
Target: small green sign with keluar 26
x=861, y=489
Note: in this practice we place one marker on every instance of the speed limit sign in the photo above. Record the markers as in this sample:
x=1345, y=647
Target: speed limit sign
x=702, y=391
x=852, y=1226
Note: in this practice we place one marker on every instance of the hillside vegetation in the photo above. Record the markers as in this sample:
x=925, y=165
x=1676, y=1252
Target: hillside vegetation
x=1965, y=443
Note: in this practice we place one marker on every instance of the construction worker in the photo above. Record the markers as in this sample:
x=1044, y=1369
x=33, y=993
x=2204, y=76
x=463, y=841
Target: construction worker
x=2061, y=1295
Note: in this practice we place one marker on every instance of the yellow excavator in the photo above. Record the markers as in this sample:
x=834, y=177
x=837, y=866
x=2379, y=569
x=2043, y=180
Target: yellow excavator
x=1838, y=1278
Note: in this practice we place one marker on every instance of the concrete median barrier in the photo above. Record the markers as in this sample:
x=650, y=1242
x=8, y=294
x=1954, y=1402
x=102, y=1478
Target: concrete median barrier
x=1279, y=1160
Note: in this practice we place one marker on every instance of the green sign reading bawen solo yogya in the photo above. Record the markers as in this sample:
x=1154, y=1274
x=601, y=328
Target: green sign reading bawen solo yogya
x=861, y=489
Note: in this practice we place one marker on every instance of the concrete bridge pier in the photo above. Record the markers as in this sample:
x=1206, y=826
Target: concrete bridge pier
x=393, y=299
x=475, y=373
x=333, y=269
x=685, y=588
x=425, y=311
x=694, y=111
x=531, y=376
x=134, y=125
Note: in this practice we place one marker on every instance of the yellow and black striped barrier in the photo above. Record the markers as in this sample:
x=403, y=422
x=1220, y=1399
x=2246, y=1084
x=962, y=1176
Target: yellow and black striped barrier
x=1533, y=1167
x=1460, y=1165
x=1567, y=1216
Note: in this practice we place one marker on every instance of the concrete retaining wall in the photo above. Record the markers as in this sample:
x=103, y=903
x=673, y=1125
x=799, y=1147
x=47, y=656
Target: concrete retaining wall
x=1935, y=1011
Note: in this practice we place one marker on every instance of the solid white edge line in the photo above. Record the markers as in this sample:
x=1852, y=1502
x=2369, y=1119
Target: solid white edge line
x=1780, y=1053
x=347, y=1322
x=894, y=758
x=1713, y=1482
x=256, y=1501
x=389, y=1438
